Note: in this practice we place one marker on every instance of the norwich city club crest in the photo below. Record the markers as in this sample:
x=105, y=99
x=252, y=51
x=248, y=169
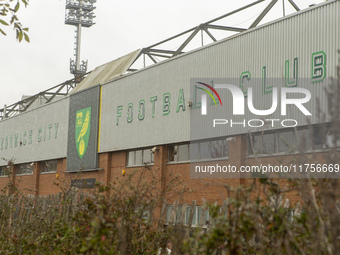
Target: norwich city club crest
x=83, y=123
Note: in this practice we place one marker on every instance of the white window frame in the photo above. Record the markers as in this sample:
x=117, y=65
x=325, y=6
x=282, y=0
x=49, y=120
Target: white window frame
x=24, y=166
x=48, y=163
x=144, y=150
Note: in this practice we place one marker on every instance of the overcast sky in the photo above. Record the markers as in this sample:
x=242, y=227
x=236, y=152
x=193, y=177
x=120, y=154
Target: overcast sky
x=121, y=27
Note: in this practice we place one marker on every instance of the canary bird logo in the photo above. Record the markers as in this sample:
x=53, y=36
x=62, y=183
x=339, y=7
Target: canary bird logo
x=83, y=124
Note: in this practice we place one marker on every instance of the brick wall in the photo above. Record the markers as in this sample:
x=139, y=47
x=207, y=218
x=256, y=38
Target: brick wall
x=111, y=165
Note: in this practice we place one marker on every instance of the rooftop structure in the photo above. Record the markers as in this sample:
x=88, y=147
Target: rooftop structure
x=79, y=13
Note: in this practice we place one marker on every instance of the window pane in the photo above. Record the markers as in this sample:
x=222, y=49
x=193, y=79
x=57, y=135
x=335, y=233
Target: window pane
x=202, y=219
x=131, y=158
x=194, y=216
x=250, y=142
x=173, y=151
x=286, y=141
x=139, y=157
x=49, y=166
x=178, y=213
x=187, y=214
x=225, y=148
x=145, y=215
x=44, y=166
x=319, y=137
x=333, y=138
x=183, y=152
x=176, y=153
x=24, y=169
x=257, y=143
x=147, y=156
x=205, y=150
x=194, y=151
x=168, y=213
x=269, y=145
x=53, y=165
x=303, y=141
x=216, y=149
x=3, y=171
x=199, y=213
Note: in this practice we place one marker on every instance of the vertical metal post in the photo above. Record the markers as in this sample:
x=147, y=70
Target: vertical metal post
x=283, y=6
x=79, y=38
x=78, y=47
x=5, y=111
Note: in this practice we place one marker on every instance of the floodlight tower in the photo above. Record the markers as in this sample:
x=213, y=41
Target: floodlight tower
x=79, y=13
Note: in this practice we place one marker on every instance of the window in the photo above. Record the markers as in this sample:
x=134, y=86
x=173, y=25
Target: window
x=49, y=166
x=303, y=140
x=333, y=138
x=288, y=140
x=178, y=153
x=194, y=216
x=140, y=157
x=216, y=149
x=131, y=157
x=4, y=171
x=24, y=169
x=183, y=152
x=195, y=151
x=269, y=143
x=213, y=149
x=254, y=144
x=319, y=137
x=200, y=215
x=144, y=215
x=168, y=213
x=262, y=143
x=205, y=150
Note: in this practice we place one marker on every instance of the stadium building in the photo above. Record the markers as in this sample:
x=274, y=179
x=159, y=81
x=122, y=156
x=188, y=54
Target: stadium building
x=215, y=115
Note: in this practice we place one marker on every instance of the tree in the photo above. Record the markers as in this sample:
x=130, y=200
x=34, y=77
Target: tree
x=8, y=17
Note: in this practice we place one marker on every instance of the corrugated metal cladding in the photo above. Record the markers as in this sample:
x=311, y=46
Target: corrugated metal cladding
x=40, y=134
x=308, y=39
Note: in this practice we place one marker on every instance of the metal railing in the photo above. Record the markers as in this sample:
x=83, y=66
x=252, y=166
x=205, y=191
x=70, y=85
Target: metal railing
x=48, y=95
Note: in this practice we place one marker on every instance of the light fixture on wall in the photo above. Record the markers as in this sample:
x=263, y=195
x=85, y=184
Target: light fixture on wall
x=154, y=149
